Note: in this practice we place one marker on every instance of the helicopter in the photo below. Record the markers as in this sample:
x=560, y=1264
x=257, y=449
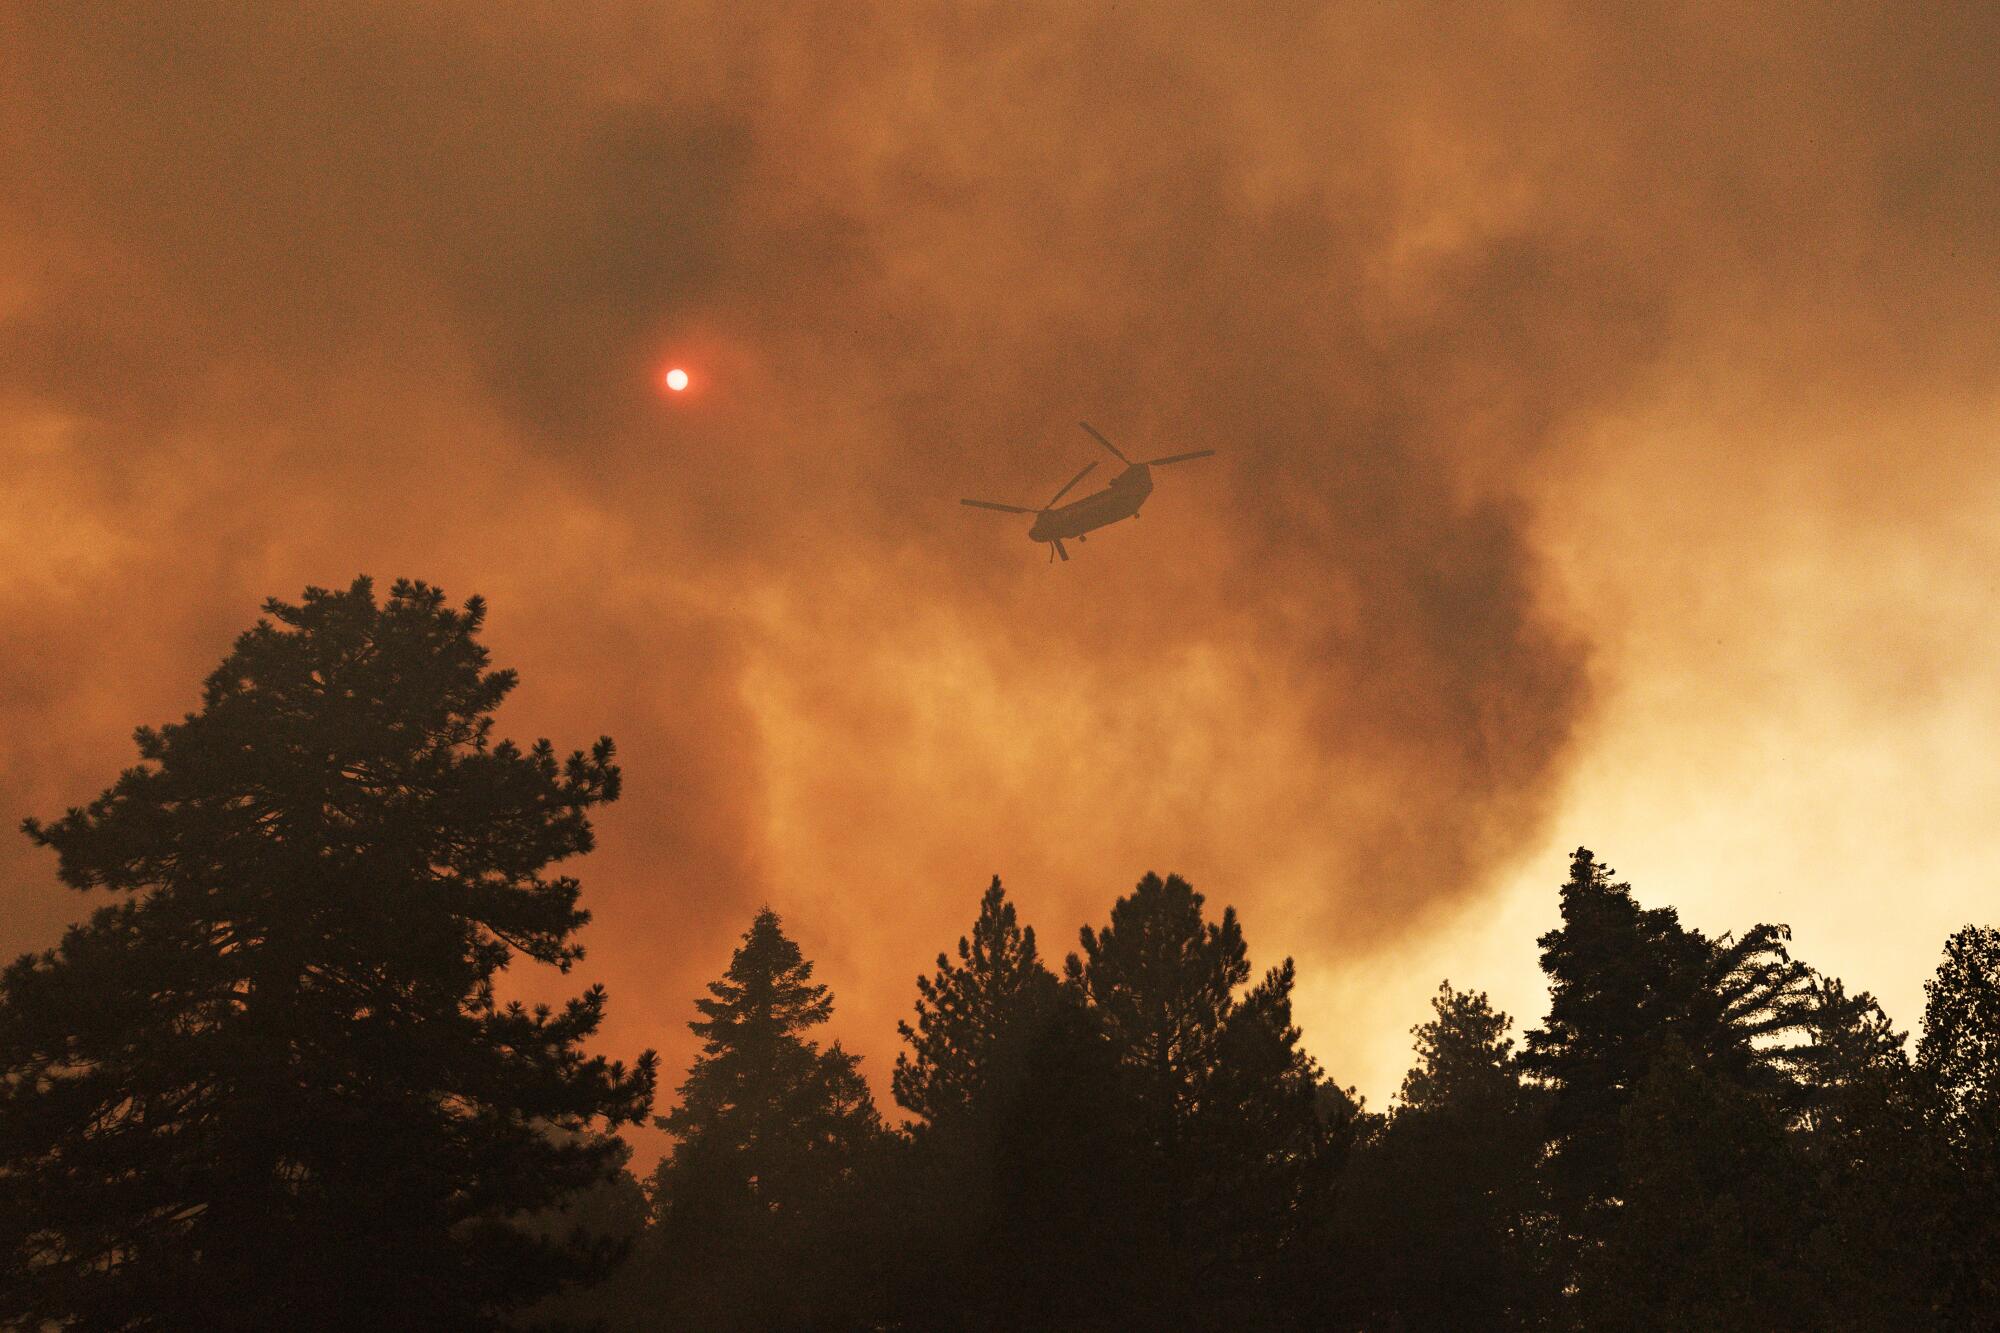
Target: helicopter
x=1120, y=499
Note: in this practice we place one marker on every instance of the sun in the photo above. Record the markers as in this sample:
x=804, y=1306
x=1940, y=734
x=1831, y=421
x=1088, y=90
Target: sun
x=677, y=379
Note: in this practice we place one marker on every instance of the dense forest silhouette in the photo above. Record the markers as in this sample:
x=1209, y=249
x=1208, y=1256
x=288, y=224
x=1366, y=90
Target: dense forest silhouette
x=270, y=1085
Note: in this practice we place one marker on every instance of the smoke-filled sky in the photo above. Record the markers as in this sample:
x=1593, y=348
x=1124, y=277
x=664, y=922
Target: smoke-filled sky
x=1606, y=398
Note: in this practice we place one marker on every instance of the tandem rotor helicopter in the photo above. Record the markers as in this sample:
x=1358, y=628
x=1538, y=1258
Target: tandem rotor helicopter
x=1121, y=499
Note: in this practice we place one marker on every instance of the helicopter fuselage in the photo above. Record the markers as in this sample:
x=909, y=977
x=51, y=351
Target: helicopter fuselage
x=1121, y=499
x=1056, y=522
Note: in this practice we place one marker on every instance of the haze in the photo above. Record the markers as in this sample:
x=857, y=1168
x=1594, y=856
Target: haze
x=1606, y=398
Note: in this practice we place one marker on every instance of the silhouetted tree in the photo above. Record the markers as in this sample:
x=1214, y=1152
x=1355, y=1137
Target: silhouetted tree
x=273, y=1087
x=1960, y=1046
x=1073, y=1227
x=1623, y=980
x=1869, y=1258
x=1440, y=1206
x=1617, y=976
x=610, y=1217
x=1710, y=1211
x=1163, y=980
x=1959, y=1056
x=771, y=1131
x=1807, y=1202
x=974, y=1018
x=977, y=1020
x=1228, y=1104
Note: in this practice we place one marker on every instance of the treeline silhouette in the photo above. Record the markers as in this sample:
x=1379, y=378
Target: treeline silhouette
x=271, y=1085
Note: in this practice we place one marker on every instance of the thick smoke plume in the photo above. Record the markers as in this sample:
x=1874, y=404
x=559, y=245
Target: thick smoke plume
x=284, y=298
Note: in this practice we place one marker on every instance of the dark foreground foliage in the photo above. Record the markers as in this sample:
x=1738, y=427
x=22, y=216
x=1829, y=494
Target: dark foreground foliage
x=271, y=1086
x=1704, y=1133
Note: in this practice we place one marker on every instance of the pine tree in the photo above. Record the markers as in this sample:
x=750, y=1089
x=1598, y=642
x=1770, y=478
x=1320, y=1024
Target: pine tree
x=1617, y=974
x=1870, y=1258
x=1960, y=1047
x=770, y=1132
x=978, y=1020
x=611, y=1215
x=1712, y=1208
x=1623, y=979
x=273, y=1086
x=1163, y=980
x=1227, y=1101
x=783, y=1115
x=1959, y=1058
x=1465, y=1059
x=1440, y=1205
x=1073, y=1230
x=974, y=1018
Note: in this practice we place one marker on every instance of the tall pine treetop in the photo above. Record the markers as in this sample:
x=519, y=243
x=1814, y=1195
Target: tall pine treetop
x=1464, y=1055
x=759, y=1082
x=1163, y=978
x=973, y=1015
x=767, y=990
x=1623, y=982
x=331, y=720
x=1960, y=1047
x=770, y=1130
x=278, y=1059
x=1226, y=1103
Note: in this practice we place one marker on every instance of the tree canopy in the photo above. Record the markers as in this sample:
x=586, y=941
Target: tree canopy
x=770, y=1130
x=273, y=1085
x=1959, y=1056
x=1226, y=1105
x=975, y=1018
x=273, y=1082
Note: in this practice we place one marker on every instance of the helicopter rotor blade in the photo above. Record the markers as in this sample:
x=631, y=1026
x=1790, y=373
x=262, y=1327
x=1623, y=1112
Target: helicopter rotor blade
x=1106, y=443
x=1072, y=481
x=988, y=504
x=1179, y=458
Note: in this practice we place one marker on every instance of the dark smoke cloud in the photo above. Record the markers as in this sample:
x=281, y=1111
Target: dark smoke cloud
x=387, y=289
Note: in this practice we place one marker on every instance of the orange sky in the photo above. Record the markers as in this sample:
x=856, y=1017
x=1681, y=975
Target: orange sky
x=1607, y=399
